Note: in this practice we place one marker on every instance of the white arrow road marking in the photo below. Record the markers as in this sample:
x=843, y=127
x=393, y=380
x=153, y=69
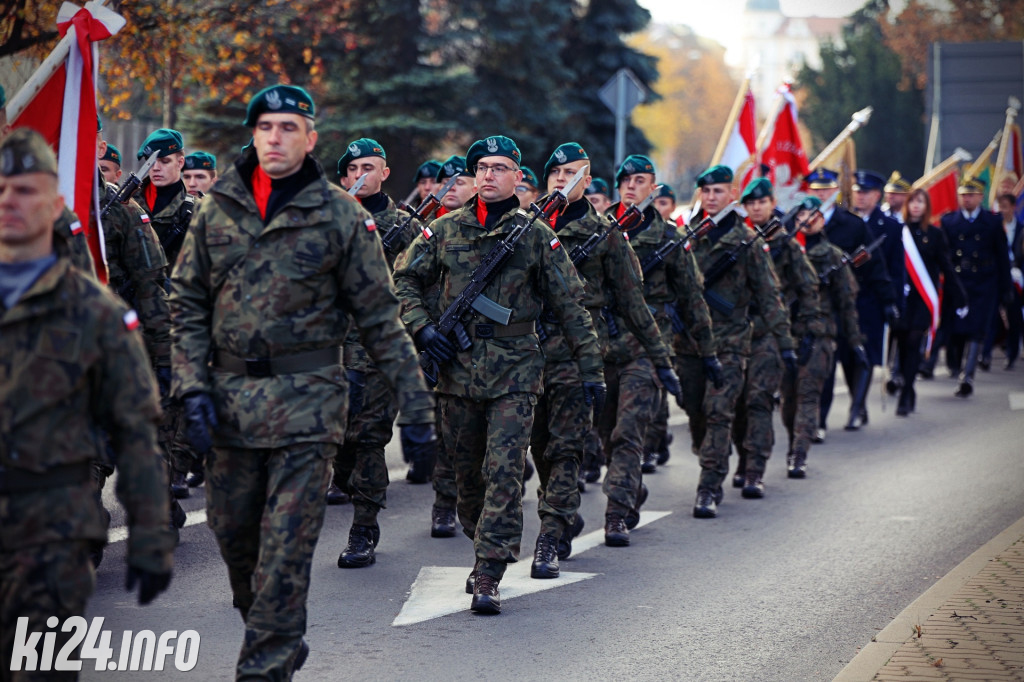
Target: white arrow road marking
x=441, y=590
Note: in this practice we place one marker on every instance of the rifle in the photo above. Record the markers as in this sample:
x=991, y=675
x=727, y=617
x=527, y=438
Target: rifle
x=175, y=236
x=406, y=204
x=358, y=184
x=627, y=221
x=452, y=322
x=725, y=263
x=428, y=206
x=661, y=254
x=127, y=188
x=856, y=259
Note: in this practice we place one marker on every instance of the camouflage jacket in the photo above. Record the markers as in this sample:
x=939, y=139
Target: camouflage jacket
x=163, y=222
x=291, y=286
x=538, y=275
x=611, y=272
x=839, y=297
x=71, y=370
x=799, y=290
x=355, y=355
x=676, y=282
x=69, y=228
x=137, y=270
x=752, y=278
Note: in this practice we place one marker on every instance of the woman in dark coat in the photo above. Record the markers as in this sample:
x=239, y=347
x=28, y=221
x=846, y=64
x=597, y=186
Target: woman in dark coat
x=922, y=276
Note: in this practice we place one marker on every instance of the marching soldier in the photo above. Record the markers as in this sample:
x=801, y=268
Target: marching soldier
x=73, y=365
x=274, y=268
x=598, y=194
x=200, y=172
x=163, y=194
x=488, y=388
x=753, y=430
x=529, y=189
x=635, y=370
x=110, y=164
x=730, y=286
x=665, y=203
x=426, y=179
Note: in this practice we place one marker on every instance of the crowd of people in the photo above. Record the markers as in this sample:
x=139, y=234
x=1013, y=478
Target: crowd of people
x=263, y=330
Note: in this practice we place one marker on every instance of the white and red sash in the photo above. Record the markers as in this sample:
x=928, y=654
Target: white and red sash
x=921, y=280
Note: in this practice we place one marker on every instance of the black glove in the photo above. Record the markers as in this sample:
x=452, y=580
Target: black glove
x=862, y=356
x=201, y=419
x=789, y=360
x=668, y=378
x=892, y=314
x=356, y=383
x=803, y=354
x=163, y=381
x=593, y=394
x=432, y=342
x=713, y=371
x=150, y=584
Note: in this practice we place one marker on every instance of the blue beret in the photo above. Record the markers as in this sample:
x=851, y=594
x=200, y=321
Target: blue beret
x=598, y=186
x=665, y=191
x=279, y=99
x=565, y=153
x=454, y=165
x=865, y=180
x=429, y=169
x=715, y=175
x=359, y=149
x=201, y=161
x=498, y=145
x=822, y=178
x=165, y=141
x=529, y=177
x=112, y=154
x=633, y=164
x=758, y=188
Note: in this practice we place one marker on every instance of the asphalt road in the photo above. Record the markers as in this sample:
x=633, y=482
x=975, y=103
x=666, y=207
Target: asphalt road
x=784, y=588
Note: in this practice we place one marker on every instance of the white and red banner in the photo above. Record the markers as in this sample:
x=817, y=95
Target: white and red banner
x=922, y=281
x=943, y=195
x=785, y=154
x=63, y=109
x=741, y=147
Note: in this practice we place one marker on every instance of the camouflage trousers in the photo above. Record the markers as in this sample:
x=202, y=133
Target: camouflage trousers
x=487, y=441
x=752, y=431
x=801, y=398
x=560, y=426
x=657, y=430
x=360, y=468
x=37, y=582
x=173, y=440
x=266, y=509
x=694, y=384
x=446, y=493
x=628, y=408
x=719, y=410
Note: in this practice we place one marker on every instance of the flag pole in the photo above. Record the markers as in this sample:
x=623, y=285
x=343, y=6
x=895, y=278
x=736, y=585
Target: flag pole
x=859, y=118
x=932, y=176
x=734, y=114
x=41, y=75
x=1004, y=145
x=975, y=168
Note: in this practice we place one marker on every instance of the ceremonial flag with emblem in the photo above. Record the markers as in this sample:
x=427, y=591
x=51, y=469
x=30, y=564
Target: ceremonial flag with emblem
x=59, y=102
x=784, y=153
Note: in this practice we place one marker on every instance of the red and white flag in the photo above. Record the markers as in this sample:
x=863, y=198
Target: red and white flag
x=742, y=143
x=785, y=154
x=63, y=109
x=943, y=195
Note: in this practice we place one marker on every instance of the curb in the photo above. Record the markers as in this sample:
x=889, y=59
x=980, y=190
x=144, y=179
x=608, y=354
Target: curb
x=883, y=645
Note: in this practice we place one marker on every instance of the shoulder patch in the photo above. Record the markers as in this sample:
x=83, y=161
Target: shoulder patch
x=144, y=217
x=370, y=225
x=131, y=320
x=766, y=248
x=625, y=235
x=687, y=245
x=554, y=243
x=803, y=249
x=76, y=227
x=427, y=232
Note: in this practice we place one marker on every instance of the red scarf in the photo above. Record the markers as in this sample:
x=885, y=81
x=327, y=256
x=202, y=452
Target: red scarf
x=440, y=212
x=481, y=212
x=620, y=210
x=150, y=195
x=261, y=189
x=553, y=220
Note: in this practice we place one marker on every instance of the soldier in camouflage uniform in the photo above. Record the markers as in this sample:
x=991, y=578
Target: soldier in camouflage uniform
x=598, y=194
x=563, y=418
x=360, y=468
x=487, y=393
x=753, y=432
x=199, y=173
x=276, y=264
x=750, y=279
x=838, y=301
x=634, y=373
x=71, y=364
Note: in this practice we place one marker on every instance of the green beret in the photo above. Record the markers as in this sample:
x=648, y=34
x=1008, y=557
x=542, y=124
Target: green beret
x=529, y=177
x=112, y=154
x=598, y=186
x=715, y=175
x=565, y=153
x=758, y=188
x=455, y=165
x=971, y=185
x=810, y=203
x=665, y=191
x=279, y=99
x=359, y=149
x=3, y=97
x=165, y=141
x=498, y=145
x=25, y=151
x=201, y=161
x=430, y=169
x=633, y=164
x=99, y=123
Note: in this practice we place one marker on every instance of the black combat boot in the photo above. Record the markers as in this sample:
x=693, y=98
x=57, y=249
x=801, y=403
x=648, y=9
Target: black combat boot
x=178, y=486
x=632, y=517
x=359, y=551
x=300, y=658
x=336, y=495
x=753, y=486
x=486, y=598
x=442, y=523
x=649, y=465
x=616, y=534
x=545, y=557
x=797, y=465
x=568, y=535
x=966, y=387
x=663, y=452
x=705, y=507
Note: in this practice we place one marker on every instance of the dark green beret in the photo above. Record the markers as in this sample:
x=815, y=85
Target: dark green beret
x=99, y=123
x=810, y=203
x=429, y=169
x=359, y=149
x=665, y=191
x=633, y=164
x=529, y=177
x=455, y=165
x=201, y=161
x=498, y=145
x=279, y=99
x=25, y=151
x=598, y=186
x=715, y=175
x=165, y=141
x=3, y=97
x=112, y=154
x=758, y=188
x=565, y=153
